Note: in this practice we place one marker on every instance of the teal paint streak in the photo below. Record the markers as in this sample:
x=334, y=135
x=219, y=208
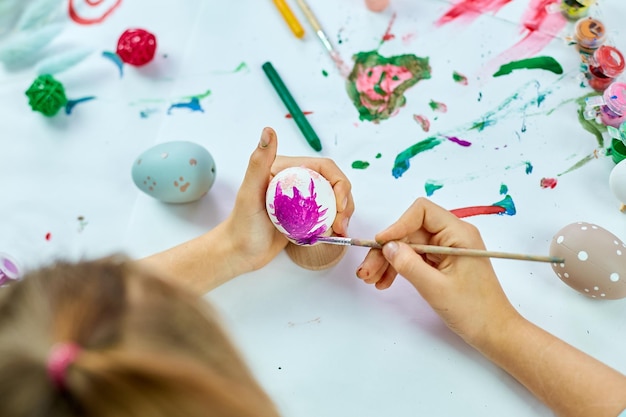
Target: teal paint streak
x=402, y=164
x=431, y=186
x=540, y=62
x=529, y=168
x=507, y=204
x=504, y=189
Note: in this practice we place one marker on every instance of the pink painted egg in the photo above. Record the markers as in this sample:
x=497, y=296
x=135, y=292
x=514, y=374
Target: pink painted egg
x=301, y=204
x=595, y=260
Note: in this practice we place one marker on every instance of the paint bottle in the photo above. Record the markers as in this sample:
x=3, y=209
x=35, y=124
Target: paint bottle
x=613, y=111
x=606, y=64
x=575, y=9
x=590, y=34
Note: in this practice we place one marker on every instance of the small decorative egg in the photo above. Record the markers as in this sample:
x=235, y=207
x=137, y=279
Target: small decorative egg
x=174, y=172
x=301, y=204
x=617, y=182
x=136, y=47
x=595, y=260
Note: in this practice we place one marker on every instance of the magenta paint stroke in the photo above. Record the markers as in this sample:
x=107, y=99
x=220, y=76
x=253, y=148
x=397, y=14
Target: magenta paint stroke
x=301, y=217
x=459, y=141
x=467, y=11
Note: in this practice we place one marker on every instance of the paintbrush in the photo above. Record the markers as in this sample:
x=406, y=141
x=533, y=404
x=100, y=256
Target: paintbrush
x=315, y=24
x=442, y=250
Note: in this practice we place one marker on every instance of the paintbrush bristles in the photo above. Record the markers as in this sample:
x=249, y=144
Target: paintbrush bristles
x=444, y=250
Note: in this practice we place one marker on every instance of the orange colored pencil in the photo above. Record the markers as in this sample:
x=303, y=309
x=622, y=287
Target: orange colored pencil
x=290, y=18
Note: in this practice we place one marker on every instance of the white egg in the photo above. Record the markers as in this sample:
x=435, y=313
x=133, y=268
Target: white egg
x=174, y=172
x=595, y=260
x=617, y=181
x=301, y=204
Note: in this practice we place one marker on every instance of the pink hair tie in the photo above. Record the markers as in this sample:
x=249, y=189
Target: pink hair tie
x=61, y=356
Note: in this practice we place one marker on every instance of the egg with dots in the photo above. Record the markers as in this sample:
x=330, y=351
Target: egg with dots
x=301, y=203
x=174, y=172
x=595, y=260
x=136, y=47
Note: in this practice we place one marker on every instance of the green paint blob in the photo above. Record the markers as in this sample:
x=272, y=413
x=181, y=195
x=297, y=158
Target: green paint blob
x=377, y=84
x=379, y=155
x=46, y=95
x=360, y=164
x=431, y=186
x=540, y=62
x=243, y=67
x=325, y=73
x=459, y=78
x=504, y=189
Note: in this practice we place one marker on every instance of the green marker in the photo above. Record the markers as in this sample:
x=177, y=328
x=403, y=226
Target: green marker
x=292, y=107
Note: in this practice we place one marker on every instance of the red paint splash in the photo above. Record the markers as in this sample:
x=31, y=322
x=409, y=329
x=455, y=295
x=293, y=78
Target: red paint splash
x=539, y=26
x=306, y=113
x=477, y=210
x=469, y=10
x=422, y=121
x=91, y=20
x=388, y=35
x=48, y=236
x=548, y=182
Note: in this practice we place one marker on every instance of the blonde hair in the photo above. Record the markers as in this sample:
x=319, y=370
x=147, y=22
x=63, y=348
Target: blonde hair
x=148, y=348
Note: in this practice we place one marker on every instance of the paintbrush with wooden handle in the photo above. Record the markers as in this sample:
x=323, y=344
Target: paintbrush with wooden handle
x=443, y=250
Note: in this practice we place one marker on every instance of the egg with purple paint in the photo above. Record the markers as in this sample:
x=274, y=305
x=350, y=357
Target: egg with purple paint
x=174, y=172
x=595, y=260
x=301, y=203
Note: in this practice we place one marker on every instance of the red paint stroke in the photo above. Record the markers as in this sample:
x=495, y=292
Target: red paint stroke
x=548, y=182
x=306, y=113
x=422, y=121
x=539, y=26
x=388, y=35
x=48, y=236
x=470, y=10
x=408, y=38
x=477, y=210
x=91, y=20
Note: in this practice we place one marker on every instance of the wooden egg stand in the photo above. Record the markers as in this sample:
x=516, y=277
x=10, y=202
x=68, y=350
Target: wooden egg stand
x=315, y=257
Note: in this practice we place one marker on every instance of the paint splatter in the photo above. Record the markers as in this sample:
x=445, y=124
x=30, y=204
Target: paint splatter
x=529, y=168
x=325, y=73
x=438, y=106
x=584, y=161
x=431, y=186
x=144, y=114
x=306, y=113
x=402, y=164
x=193, y=104
x=504, y=206
x=539, y=27
x=540, y=62
x=548, y=182
x=82, y=223
x=103, y=13
x=115, y=58
x=300, y=216
x=504, y=189
x=458, y=141
x=387, y=36
x=69, y=106
x=360, y=164
x=422, y=121
x=459, y=78
x=469, y=10
x=379, y=155
x=408, y=38
x=48, y=236
x=377, y=84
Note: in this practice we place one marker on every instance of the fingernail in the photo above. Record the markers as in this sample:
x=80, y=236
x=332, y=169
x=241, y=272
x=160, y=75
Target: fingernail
x=264, y=139
x=390, y=249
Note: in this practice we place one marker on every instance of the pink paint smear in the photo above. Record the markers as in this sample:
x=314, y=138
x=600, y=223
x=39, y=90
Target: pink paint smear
x=469, y=10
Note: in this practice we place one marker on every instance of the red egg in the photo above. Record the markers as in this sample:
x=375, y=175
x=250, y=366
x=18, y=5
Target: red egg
x=136, y=47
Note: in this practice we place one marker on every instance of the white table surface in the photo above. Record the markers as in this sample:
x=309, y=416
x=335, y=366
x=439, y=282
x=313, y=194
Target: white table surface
x=323, y=343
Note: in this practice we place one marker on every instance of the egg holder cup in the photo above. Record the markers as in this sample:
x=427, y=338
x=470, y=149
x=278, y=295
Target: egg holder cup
x=315, y=257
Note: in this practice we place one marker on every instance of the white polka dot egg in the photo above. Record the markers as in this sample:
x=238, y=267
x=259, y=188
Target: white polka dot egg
x=595, y=260
x=301, y=204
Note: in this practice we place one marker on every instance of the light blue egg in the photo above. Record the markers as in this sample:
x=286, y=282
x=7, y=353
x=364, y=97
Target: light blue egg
x=174, y=172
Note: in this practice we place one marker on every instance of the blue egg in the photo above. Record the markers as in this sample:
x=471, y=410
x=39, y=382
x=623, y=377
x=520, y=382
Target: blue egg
x=174, y=172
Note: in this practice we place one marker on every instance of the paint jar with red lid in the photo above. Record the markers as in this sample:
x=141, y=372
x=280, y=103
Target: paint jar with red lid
x=613, y=111
x=606, y=64
x=590, y=34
